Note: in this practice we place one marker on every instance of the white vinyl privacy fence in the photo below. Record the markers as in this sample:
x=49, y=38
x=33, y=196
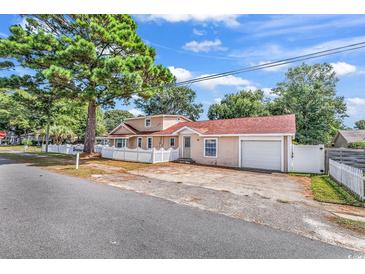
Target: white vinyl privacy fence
x=350, y=177
x=307, y=158
x=140, y=155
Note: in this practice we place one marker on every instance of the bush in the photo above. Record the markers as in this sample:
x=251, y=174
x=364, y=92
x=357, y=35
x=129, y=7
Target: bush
x=358, y=144
x=26, y=142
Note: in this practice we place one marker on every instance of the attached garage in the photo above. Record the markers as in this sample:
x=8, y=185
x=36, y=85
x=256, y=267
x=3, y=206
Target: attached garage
x=262, y=154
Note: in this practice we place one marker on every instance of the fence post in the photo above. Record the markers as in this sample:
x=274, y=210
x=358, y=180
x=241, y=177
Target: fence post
x=153, y=155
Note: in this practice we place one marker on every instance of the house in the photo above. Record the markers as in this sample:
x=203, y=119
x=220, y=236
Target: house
x=344, y=137
x=252, y=142
x=2, y=136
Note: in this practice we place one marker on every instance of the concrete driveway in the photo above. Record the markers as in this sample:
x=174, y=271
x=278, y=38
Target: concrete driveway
x=276, y=200
x=275, y=186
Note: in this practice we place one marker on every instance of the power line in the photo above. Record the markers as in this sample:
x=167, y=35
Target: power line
x=277, y=63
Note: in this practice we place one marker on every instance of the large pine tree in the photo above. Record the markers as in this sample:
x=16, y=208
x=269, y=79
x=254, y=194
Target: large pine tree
x=93, y=58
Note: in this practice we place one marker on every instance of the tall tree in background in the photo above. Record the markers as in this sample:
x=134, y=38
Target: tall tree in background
x=94, y=58
x=309, y=92
x=360, y=124
x=241, y=104
x=173, y=100
x=113, y=117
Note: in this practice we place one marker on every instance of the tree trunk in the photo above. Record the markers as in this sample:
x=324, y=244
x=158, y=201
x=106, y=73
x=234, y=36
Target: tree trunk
x=90, y=128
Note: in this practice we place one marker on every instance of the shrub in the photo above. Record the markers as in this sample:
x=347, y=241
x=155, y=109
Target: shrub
x=26, y=142
x=358, y=144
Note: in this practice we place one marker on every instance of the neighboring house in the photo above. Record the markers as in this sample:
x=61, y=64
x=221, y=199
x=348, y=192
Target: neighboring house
x=253, y=142
x=344, y=137
x=2, y=136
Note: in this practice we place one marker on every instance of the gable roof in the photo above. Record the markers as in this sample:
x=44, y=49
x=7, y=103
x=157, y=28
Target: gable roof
x=248, y=125
x=352, y=135
x=127, y=127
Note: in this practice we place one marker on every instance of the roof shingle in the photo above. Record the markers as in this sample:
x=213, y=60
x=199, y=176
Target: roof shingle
x=247, y=125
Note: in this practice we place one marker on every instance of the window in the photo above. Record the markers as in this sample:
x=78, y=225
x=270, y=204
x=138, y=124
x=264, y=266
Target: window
x=139, y=142
x=210, y=147
x=172, y=142
x=121, y=142
x=149, y=142
x=147, y=122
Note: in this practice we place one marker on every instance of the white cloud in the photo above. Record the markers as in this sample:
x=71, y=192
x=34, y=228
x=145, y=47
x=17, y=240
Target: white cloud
x=356, y=107
x=224, y=81
x=198, y=32
x=229, y=20
x=249, y=87
x=268, y=92
x=217, y=100
x=299, y=24
x=277, y=67
x=277, y=52
x=181, y=74
x=342, y=68
x=135, y=112
x=204, y=46
x=136, y=97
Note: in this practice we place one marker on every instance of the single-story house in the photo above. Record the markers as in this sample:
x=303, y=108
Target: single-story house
x=344, y=137
x=252, y=142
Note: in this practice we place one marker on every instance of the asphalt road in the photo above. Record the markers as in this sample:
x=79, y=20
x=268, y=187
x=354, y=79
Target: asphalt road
x=46, y=215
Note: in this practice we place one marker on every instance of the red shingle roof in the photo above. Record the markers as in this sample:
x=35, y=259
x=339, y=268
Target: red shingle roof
x=247, y=125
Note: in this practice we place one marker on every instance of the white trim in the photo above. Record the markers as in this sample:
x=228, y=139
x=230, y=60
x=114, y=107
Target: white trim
x=145, y=120
x=125, y=142
x=187, y=128
x=216, y=147
x=183, y=144
x=122, y=125
x=139, y=138
x=151, y=142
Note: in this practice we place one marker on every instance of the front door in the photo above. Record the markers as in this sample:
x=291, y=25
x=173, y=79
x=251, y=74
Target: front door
x=187, y=147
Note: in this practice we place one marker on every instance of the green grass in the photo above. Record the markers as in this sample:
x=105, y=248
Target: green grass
x=302, y=174
x=326, y=190
x=82, y=171
x=351, y=224
x=20, y=148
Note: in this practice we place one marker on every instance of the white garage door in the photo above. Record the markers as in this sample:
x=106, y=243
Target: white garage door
x=261, y=154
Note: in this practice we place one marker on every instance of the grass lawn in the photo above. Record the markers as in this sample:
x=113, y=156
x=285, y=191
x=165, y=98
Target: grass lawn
x=351, y=224
x=326, y=190
x=20, y=148
x=65, y=164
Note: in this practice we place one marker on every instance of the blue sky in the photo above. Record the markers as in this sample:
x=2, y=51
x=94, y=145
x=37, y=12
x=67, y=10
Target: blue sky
x=196, y=45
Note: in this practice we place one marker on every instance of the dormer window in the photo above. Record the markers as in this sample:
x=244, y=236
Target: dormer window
x=147, y=122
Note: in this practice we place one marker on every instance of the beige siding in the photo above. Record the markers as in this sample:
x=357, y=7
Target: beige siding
x=123, y=130
x=227, y=151
x=170, y=121
x=138, y=124
x=132, y=142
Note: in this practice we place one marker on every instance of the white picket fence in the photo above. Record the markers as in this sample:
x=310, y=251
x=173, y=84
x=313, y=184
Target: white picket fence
x=69, y=149
x=350, y=177
x=140, y=155
x=64, y=149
